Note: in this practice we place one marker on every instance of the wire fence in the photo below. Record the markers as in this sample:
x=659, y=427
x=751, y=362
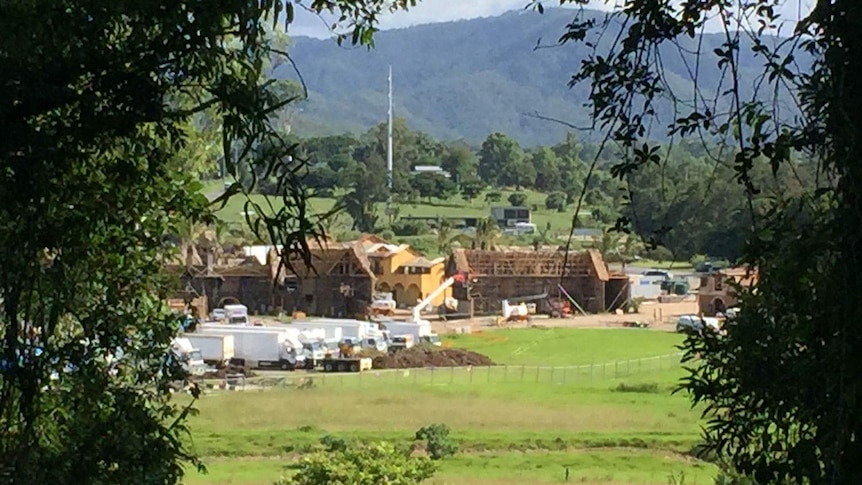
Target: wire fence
x=442, y=376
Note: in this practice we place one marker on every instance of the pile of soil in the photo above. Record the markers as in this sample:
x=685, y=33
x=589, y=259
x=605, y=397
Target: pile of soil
x=425, y=356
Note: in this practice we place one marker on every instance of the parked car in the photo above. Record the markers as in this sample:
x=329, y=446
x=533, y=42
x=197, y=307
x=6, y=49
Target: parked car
x=218, y=315
x=667, y=275
x=709, y=267
x=694, y=323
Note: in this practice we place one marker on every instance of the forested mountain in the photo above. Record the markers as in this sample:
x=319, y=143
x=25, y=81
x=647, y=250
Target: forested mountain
x=469, y=78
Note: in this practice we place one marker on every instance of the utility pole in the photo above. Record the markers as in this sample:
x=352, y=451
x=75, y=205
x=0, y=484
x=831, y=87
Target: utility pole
x=389, y=151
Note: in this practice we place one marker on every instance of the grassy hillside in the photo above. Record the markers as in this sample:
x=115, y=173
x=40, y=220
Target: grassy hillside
x=454, y=207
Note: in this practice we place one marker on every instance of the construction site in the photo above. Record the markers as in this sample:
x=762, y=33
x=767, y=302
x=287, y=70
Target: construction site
x=487, y=278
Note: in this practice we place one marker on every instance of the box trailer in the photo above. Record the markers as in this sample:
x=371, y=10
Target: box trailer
x=216, y=350
x=330, y=332
x=254, y=348
x=354, y=329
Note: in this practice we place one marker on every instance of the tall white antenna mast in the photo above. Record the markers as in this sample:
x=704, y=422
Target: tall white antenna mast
x=389, y=148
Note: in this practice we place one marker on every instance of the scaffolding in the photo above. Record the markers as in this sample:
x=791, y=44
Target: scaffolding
x=527, y=263
x=500, y=275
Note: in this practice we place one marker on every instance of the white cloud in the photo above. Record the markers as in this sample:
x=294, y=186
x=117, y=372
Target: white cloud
x=433, y=11
x=425, y=12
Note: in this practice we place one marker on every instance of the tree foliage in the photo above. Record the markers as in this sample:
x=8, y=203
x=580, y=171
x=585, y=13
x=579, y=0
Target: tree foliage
x=358, y=464
x=498, y=158
x=97, y=111
x=433, y=185
x=780, y=390
x=681, y=203
x=461, y=163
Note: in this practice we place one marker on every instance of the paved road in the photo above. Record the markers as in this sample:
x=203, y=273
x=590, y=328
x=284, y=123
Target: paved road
x=637, y=270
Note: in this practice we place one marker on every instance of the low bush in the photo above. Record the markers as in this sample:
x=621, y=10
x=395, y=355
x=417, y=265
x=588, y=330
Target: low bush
x=644, y=388
x=438, y=444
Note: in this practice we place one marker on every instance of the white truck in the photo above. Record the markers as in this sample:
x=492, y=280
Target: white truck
x=236, y=314
x=359, y=333
x=329, y=331
x=216, y=350
x=189, y=356
x=257, y=347
x=420, y=331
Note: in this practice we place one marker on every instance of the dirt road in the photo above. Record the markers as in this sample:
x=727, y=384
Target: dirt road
x=660, y=316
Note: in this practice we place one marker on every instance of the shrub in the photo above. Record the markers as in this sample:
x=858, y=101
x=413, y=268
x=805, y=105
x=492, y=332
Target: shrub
x=698, y=260
x=603, y=214
x=635, y=304
x=333, y=443
x=659, y=253
x=517, y=198
x=387, y=234
x=493, y=197
x=556, y=201
x=438, y=444
x=361, y=464
x=404, y=227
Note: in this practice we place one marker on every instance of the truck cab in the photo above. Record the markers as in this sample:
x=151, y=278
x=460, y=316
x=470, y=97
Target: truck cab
x=236, y=314
x=400, y=342
x=314, y=351
x=191, y=358
x=370, y=343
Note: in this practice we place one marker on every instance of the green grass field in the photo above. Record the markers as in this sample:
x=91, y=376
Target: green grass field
x=567, y=346
x=512, y=428
x=234, y=210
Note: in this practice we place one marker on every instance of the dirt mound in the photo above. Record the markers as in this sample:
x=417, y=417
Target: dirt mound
x=430, y=357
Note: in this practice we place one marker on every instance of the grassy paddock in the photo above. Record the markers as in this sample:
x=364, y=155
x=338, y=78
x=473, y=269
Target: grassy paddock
x=594, y=466
x=567, y=346
x=616, y=429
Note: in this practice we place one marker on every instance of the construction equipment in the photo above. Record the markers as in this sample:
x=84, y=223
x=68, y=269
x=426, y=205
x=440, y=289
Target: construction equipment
x=417, y=317
x=543, y=304
x=347, y=361
x=419, y=331
x=382, y=304
x=516, y=313
x=572, y=300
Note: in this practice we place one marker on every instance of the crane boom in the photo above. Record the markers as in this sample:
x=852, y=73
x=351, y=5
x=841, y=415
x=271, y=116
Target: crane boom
x=440, y=289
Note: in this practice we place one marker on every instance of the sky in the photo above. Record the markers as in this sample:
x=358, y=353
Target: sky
x=433, y=11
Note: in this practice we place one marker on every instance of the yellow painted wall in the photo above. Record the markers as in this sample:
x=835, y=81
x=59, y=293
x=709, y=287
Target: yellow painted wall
x=425, y=283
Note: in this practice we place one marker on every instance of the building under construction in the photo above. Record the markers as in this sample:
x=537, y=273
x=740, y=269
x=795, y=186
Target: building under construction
x=489, y=277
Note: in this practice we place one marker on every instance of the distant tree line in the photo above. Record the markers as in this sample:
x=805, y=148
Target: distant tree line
x=685, y=205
